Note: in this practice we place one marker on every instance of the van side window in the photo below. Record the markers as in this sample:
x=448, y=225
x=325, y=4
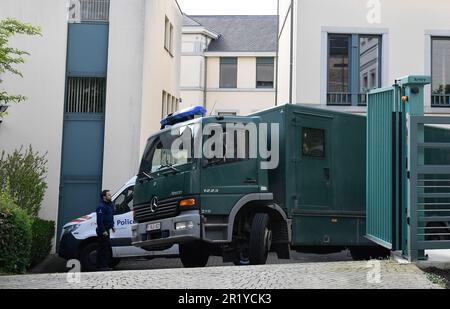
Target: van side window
x=313, y=143
x=124, y=202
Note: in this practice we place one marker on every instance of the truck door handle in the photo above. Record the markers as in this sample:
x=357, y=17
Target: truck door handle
x=327, y=174
x=250, y=181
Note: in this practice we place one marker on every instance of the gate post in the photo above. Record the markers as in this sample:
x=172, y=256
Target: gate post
x=413, y=98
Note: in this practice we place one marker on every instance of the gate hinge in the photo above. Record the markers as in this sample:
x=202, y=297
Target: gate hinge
x=408, y=220
x=408, y=174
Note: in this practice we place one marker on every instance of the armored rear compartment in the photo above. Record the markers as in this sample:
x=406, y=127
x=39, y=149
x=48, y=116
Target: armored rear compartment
x=321, y=177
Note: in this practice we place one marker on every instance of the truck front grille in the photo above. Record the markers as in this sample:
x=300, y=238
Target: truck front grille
x=166, y=209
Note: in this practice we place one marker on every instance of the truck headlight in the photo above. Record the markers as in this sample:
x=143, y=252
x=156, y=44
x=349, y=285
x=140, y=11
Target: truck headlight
x=187, y=225
x=71, y=228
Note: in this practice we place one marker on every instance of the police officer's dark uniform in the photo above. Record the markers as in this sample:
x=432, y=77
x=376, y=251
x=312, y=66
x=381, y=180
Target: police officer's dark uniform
x=105, y=222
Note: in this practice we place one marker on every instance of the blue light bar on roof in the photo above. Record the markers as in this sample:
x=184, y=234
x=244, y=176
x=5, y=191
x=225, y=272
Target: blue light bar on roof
x=183, y=115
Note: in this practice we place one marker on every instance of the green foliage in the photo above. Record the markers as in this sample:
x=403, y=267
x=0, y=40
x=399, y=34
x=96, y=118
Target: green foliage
x=15, y=237
x=43, y=233
x=10, y=57
x=23, y=173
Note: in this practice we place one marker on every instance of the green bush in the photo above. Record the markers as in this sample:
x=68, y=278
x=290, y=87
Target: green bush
x=15, y=237
x=43, y=233
x=24, y=172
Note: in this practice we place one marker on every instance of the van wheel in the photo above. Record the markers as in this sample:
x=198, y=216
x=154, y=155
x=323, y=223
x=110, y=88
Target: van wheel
x=194, y=255
x=260, y=239
x=88, y=257
x=368, y=253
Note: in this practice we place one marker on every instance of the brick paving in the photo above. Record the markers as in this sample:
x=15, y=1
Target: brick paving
x=291, y=275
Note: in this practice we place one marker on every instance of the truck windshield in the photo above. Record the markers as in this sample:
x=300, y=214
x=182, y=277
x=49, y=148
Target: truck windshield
x=160, y=153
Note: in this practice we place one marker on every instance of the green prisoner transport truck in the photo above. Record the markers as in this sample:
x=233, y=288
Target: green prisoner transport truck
x=313, y=200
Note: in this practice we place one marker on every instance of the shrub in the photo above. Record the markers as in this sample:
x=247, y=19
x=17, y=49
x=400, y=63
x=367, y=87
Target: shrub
x=24, y=172
x=15, y=237
x=43, y=233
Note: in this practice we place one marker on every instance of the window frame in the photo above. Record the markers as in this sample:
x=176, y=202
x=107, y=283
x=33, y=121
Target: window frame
x=432, y=94
x=355, y=94
x=265, y=64
x=222, y=62
x=324, y=139
x=121, y=212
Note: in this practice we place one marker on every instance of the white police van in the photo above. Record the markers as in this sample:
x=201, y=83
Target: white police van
x=79, y=238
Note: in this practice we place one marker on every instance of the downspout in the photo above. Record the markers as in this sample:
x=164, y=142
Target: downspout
x=205, y=81
x=291, y=69
x=278, y=52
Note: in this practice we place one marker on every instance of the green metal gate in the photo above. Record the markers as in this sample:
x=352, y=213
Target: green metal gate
x=429, y=186
x=383, y=160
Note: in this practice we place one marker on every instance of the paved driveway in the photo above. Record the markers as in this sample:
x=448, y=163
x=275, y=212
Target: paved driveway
x=326, y=275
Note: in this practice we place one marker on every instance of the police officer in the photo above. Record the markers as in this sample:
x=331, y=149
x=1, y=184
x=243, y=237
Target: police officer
x=105, y=223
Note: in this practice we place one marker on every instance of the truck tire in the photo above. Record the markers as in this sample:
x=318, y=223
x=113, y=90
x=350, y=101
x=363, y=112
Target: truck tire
x=368, y=253
x=260, y=239
x=194, y=255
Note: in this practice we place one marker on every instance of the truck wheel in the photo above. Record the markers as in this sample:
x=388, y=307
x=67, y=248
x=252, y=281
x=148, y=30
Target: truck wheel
x=88, y=257
x=194, y=255
x=368, y=253
x=260, y=239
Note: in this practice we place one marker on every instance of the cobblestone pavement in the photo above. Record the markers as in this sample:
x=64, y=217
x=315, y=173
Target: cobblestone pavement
x=327, y=275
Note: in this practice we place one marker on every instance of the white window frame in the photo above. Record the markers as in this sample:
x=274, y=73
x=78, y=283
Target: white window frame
x=326, y=31
x=429, y=35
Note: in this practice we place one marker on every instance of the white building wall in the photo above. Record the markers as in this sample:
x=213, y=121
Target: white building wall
x=406, y=27
x=283, y=75
x=39, y=120
x=124, y=92
x=161, y=71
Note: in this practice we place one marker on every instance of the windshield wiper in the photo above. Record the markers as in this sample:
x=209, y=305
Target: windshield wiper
x=169, y=166
x=146, y=175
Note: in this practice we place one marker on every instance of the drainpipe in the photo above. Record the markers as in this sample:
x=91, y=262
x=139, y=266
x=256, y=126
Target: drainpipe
x=291, y=73
x=278, y=52
x=205, y=82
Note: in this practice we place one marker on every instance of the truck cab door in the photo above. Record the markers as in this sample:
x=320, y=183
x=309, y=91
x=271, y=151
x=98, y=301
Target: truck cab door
x=226, y=180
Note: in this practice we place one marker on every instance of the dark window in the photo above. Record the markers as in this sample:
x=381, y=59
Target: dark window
x=124, y=202
x=441, y=72
x=338, y=63
x=86, y=95
x=228, y=72
x=235, y=146
x=264, y=72
x=354, y=68
x=313, y=143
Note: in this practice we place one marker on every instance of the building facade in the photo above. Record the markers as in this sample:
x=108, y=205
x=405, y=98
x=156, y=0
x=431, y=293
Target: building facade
x=228, y=63
x=332, y=52
x=97, y=81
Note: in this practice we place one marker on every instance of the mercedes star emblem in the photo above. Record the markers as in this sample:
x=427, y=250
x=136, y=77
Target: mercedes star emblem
x=154, y=204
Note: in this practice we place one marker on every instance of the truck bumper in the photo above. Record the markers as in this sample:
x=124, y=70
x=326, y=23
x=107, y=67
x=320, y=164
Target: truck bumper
x=168, y=234
x=68, y=247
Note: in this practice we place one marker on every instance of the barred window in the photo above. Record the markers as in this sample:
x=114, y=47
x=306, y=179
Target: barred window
x=88, y=10
x=86, y=95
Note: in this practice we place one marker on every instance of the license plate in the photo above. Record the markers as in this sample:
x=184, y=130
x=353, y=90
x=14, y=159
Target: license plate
x=153, y=227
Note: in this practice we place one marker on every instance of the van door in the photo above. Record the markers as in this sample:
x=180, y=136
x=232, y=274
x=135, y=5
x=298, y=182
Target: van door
x=123, y=220
x=313, y=164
